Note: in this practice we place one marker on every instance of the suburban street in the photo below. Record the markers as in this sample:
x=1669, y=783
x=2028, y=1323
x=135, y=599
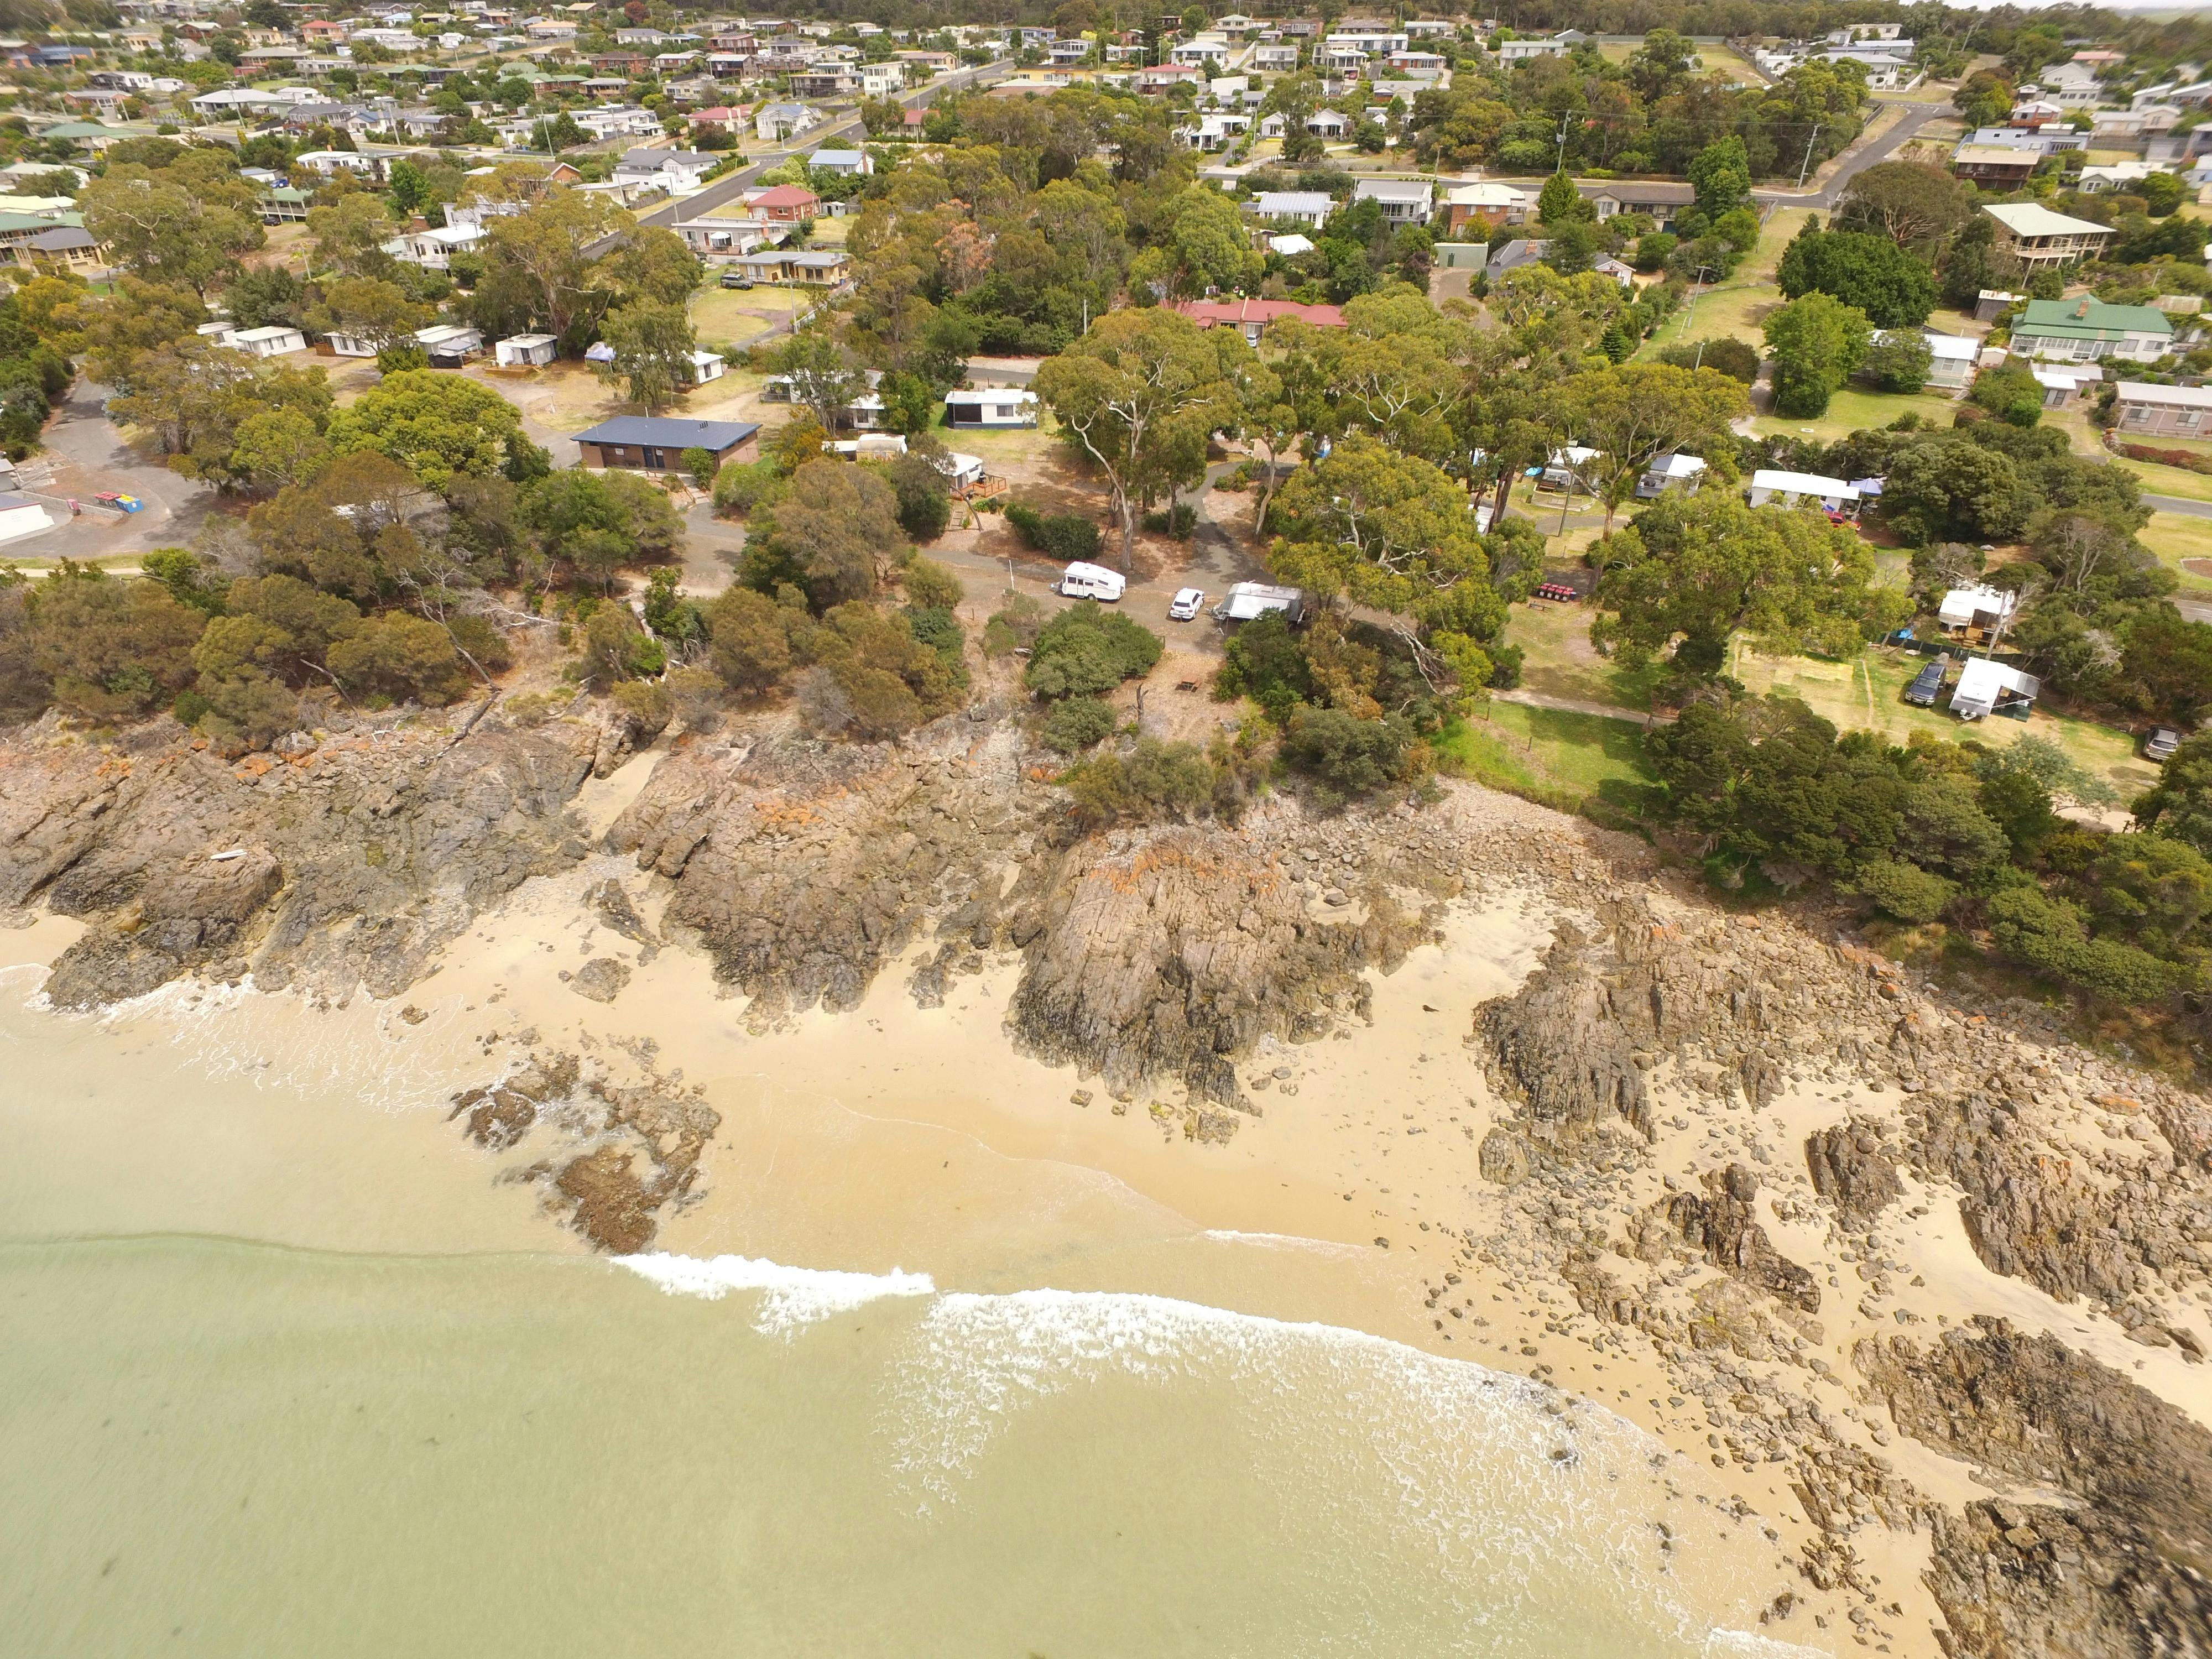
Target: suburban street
x=732, y=185
x=1857, y=160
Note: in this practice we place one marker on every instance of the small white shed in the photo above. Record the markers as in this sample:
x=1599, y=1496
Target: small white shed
x=524, y=350
x=1680, y=473
x=707, y=365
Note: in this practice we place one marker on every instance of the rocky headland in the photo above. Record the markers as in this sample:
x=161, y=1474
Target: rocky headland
x=1934, y=1275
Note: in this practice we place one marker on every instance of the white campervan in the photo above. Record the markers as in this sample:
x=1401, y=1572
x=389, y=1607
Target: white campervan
x=1091, y=581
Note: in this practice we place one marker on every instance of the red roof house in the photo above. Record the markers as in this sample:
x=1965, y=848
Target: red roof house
x=1252, y=315
x=786, y=204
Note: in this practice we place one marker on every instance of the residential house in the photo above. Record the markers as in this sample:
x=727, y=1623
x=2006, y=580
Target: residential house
x=2061, y=386
x=1404, y=201
x=2041, y=239
x=1663, y=202
x=1279, y=59
x=1294, y=207
x=1569, y=468
x=773, y=123
x=676, y=170
x=1772, y=487
x=784, y=204
x=2071, y=86
x=828, y=79
x=2042, y=140
x=1950, y=359
x=2162, y=411
x=449, y=345
x=2117, y=175
x=2089, y=330
x=1215, y=132
x=1369, y=40
x=1251, y=317
x=1511, y=255
x=645, y=443
x=1487, y=204
x=1510, y=52
x=617, y=121
x=722, y=118
x=995, y=406
x=1202, y=49
x=433, y=250
x=2002, y=166
x=845, y=162
x=1417, y=65
x=722, y=237
x=69, y=248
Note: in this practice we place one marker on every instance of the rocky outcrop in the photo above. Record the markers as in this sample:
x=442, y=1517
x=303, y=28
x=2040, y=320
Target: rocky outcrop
x=1561, y=1045
x=1722, y=1221
x=2123, y=1572
x=1173, y=952
x=348, y=860
x=1850, y=1170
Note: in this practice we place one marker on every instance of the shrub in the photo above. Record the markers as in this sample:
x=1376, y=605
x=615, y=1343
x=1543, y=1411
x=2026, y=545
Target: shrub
x=1157, y=779
x=751, y=639
x=739, y=487
x=925, y=505
x=1075, y=725
x=1347, y=756
x=1905, y=890
x=399, y=656
x=647, y=704
x=1086, y=650
x=1265, y=663
x=1736, y=359
x=929, y=583
x=2047, y=934
x=1176, y=523
x=1062, y=536
x=1013, y=625
x=700, y=464
x=937, y=628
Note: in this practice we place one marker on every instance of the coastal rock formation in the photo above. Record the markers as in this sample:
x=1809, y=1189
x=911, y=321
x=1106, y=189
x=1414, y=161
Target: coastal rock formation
x=1724, y=1224
x=2122, y=1571
x=347, y=862
x=1850, y=1171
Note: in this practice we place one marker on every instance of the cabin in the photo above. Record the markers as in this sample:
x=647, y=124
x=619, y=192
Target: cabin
x=1950, y=359
x=2160, y=411
x=1976, y=614
x=1772, y=487
x=1569, y=468
x=647, y=443
x=708, y=366
x=449, y=345
x=991, y=406
x=524, y=350
x=273, y=341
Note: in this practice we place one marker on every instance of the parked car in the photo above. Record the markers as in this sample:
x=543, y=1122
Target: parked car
x=1185, y=604
x=2162, y=742
x=1927, y=686
x=737, y=279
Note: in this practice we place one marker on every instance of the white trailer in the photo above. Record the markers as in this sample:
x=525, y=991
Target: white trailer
x=1091, y=581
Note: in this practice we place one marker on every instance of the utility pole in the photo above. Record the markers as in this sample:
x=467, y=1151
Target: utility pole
x=1808, y=166
x=1561, y=166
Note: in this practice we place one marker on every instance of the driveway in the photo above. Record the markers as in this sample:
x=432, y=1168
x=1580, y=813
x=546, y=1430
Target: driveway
x=1858, y=158
x=2182, y=504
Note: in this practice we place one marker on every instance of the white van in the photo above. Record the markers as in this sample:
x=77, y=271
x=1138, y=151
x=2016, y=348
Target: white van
x=1091, y=581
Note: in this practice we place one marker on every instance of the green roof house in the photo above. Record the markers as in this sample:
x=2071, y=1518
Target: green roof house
x=2086, y=330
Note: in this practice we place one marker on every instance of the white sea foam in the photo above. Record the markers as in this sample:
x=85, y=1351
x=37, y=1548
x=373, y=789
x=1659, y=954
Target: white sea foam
x=791, y=1297
x=1278, y=1241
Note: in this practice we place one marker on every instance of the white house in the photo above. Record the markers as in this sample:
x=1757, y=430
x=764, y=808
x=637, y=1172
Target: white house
x=524, y=350
x=433, y=250
x=847, y=162
x=1951, y=358
x=617, y=121
x=1520, y=52
x=773, y=123
x=273, y=341
x=676, y=170
x=1405, y=201
x=330, y=161
x=1771, y=488
x=1294, y=207
x=1005, y=406
x=961, y=471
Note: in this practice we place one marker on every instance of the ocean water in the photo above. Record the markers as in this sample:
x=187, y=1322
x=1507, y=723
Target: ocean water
x=284, y=1371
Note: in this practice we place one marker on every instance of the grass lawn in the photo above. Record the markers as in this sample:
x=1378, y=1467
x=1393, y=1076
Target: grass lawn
x=1562, y=759
x=1559, y=661
x=1734, y=308
x=2177, y=536
x=726, y=317
x=2158, y=480
x=1867, y=695
x=1856, y=411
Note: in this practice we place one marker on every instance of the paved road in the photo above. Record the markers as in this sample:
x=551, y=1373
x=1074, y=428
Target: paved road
x=732, y=185
x=2195, y=509
x=84, y=454
x=1857, y=159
